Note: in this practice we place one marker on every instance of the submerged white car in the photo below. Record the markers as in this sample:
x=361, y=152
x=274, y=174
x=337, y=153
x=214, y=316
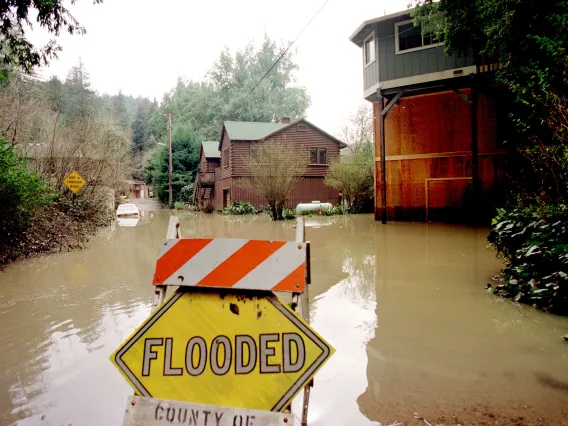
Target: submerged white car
x=127, y=210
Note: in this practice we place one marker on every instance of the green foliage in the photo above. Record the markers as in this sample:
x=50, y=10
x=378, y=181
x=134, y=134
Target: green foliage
x=22, y=194
x=178, y=205
x=352, y=176
x=338, y=210
x=186, y=193
x=240, y=207
x=534, y=242
x=288, y=214
x=352, y=173
x=185, y=163
x=225, y=93
x=17, y=49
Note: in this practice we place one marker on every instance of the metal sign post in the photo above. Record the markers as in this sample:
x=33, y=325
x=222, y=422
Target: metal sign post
x=223, y=339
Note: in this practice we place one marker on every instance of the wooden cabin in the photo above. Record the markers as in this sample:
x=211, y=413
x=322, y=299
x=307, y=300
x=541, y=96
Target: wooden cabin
x=209, y=160
x=221, y=181
x=437, y=118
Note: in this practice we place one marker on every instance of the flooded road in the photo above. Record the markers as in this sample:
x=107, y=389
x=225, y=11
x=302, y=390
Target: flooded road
x=404, y=305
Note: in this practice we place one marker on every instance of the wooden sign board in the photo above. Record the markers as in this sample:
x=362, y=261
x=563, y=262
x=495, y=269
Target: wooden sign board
x=141, y=411
x=74, y=182
x=234, y=349
x=232, y=263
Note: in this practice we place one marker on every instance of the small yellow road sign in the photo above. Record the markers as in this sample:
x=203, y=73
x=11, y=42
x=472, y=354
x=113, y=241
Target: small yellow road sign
x=244, y=350
x=74, y=181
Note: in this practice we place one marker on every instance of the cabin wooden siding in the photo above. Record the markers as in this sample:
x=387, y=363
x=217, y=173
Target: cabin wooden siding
x=391, y=66
x=218, y=191
x=306, y=139
x=226, y=149
x=306, y=190
x=208, y=164
x=428, y=157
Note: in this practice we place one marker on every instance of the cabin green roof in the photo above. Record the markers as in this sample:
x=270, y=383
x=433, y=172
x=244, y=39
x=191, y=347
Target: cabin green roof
x=211, y=149
x=250, y=131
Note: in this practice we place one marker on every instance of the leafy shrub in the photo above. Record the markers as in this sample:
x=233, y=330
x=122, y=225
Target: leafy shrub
x=186, y=194
x=335, y=210
x=534, y=243
x=22, y=194
x=178, y=205
x=240, y=207
x=288, y=214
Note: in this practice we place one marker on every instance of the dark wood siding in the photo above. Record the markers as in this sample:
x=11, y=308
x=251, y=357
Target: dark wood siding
x=220, y=185
x=308, y=138
x=226, y=152
x=306, y=190
x=428, y=147
x=202, y=162
x=213, y=163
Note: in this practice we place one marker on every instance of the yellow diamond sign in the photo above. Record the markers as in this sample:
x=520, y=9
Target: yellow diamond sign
x=243, y=350
x=74, y=181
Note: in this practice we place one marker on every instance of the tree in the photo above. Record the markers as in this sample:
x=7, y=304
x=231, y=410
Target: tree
x=15, y=48
x=140, y=135
x=79, y=103
x=275, y=167
x=352, y=173
x=227, y=93
x=119, y=111
x=186, y=145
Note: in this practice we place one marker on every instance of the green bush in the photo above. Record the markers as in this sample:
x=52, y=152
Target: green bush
x=186, y=194
x=178, y=205
x=288, y=214
x=22, y=194
x=240, y=207
x=534, y=243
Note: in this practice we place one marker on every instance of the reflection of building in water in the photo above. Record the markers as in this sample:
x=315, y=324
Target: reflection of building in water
x=345, y=313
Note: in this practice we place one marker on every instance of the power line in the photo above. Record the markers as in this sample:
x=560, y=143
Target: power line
x=288, y=48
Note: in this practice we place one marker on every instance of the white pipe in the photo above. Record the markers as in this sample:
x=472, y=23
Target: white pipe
x=314, y=206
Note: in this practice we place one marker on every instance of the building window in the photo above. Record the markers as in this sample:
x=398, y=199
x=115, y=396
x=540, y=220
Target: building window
x=410, y=37
x=301, y=128
x=318, y=156
x=369, y=49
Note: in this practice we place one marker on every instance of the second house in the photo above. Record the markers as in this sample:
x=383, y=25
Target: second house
x=222, y=165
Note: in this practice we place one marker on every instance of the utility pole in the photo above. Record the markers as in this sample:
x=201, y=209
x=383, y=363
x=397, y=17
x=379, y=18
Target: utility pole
x=169, y=115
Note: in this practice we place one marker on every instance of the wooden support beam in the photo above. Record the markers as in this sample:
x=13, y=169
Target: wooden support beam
x=463, y=96
x=383, y=158
x=474, y=149
x=392, y=102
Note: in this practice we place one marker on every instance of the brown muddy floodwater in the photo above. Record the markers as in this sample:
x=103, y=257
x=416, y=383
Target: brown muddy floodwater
x=416, y=335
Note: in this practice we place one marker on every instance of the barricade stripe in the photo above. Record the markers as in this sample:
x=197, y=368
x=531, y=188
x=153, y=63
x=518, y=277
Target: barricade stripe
x=242, y=262
x=295, y=277
x=205, y=261
x=276, y=268
x=176, y=257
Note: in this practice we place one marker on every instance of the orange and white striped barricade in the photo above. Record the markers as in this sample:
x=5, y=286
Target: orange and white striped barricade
x=223, y=339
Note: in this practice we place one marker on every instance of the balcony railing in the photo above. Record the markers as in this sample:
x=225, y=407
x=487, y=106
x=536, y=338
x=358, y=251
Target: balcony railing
x=206, y=177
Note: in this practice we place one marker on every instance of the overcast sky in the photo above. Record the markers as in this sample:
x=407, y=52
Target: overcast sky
x=143, y=46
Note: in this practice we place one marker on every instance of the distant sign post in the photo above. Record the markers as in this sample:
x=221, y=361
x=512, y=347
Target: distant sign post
x=74, y=182
x=240, y=349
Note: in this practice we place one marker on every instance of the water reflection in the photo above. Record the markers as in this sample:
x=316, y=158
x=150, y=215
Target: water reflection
x=403, y=305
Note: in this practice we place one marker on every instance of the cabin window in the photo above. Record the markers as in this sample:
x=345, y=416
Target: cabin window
x=318, y=156
x=369, y=49
x=301, y=128
x=410, y=37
